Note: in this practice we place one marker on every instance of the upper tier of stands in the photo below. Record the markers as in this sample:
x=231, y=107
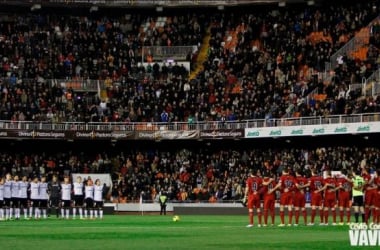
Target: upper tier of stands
x=261, y=63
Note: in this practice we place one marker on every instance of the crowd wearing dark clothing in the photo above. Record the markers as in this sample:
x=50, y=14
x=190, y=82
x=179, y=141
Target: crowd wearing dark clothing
x=268, y=73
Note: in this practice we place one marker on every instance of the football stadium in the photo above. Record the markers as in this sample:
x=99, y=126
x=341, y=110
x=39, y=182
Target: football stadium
x=189, y=124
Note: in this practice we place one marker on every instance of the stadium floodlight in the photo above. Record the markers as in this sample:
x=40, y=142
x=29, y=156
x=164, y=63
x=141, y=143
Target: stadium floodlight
x=94, y=8
x=35, y=7
x=159, y=8
x=310, y=2
x=281, y=3
x=220, y=7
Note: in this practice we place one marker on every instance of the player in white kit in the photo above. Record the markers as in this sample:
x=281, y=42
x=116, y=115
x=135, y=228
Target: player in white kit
x=7, y=195
x=98, y=199
x=2, y=199
x=44, y=197
x=89, y=199
x=15, y=192
x=78, y=197
x=66, y=198
x=34, y=198
x=24, y=186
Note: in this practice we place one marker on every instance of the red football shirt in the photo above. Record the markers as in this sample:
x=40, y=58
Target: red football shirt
x=316, y=182
x=254, y=183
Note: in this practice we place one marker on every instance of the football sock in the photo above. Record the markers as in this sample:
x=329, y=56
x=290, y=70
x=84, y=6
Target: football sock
x=251, y=218
x=290, y=214
x=313, y=214
x=334, y=215
x=297, y=216
x=321, y=215
x=265, y=216
x=259, y=215
x=348, y=215
x=366, y=212
x=282, y=217
x=326, y=216
x=304, y=214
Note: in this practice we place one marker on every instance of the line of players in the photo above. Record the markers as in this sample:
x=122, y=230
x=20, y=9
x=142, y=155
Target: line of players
x=358, y=190
x=37, y=197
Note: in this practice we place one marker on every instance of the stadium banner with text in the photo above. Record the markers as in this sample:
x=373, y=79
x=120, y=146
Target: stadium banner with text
x=221, y=134
x=313, y=130
x=100, y=135
x=166, y=135
x=67, y=135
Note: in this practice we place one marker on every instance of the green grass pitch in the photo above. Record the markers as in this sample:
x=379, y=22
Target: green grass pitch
x=160, y=232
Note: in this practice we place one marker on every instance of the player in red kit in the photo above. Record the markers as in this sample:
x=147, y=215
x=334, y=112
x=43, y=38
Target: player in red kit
x=330, y=187
x=370, y=191
x=315, y=184
x=269, y=198
x=287, y=184
x=253, y=185
x=376, y=181
x=345, y=187
x=299, y=197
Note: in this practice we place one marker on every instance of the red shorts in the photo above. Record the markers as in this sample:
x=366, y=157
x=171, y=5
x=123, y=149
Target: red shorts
x=377, y=200
x=299, y=199
x=316, y=199
x=269, y=202
x=253, y=201
x=330, y=200
x=370, y=197
x=344, y=199
x=286, y=199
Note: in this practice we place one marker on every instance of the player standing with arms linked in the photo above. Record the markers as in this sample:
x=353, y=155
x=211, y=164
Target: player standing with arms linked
x=44, y=197
x=315, y=184
x=269, y=198
x=330, y=187
x=377, y=200
x=89, y=198
x=253, y=184
x=299, y=197
x=7, y=195
x=344, y=193
x=98, y=199
x=24, y=186
x=78, y=197
x=287, y=185
x=15, y=208
x=370, y=190
x=54, y=189
x=66, y=188
x=2, y=199
x=34, y=198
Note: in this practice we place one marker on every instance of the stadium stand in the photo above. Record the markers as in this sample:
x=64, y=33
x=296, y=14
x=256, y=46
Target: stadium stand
x=261, y=63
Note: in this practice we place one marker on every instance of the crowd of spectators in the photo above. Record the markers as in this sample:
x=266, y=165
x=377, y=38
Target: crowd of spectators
x=188, y=174
x=267, y=74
